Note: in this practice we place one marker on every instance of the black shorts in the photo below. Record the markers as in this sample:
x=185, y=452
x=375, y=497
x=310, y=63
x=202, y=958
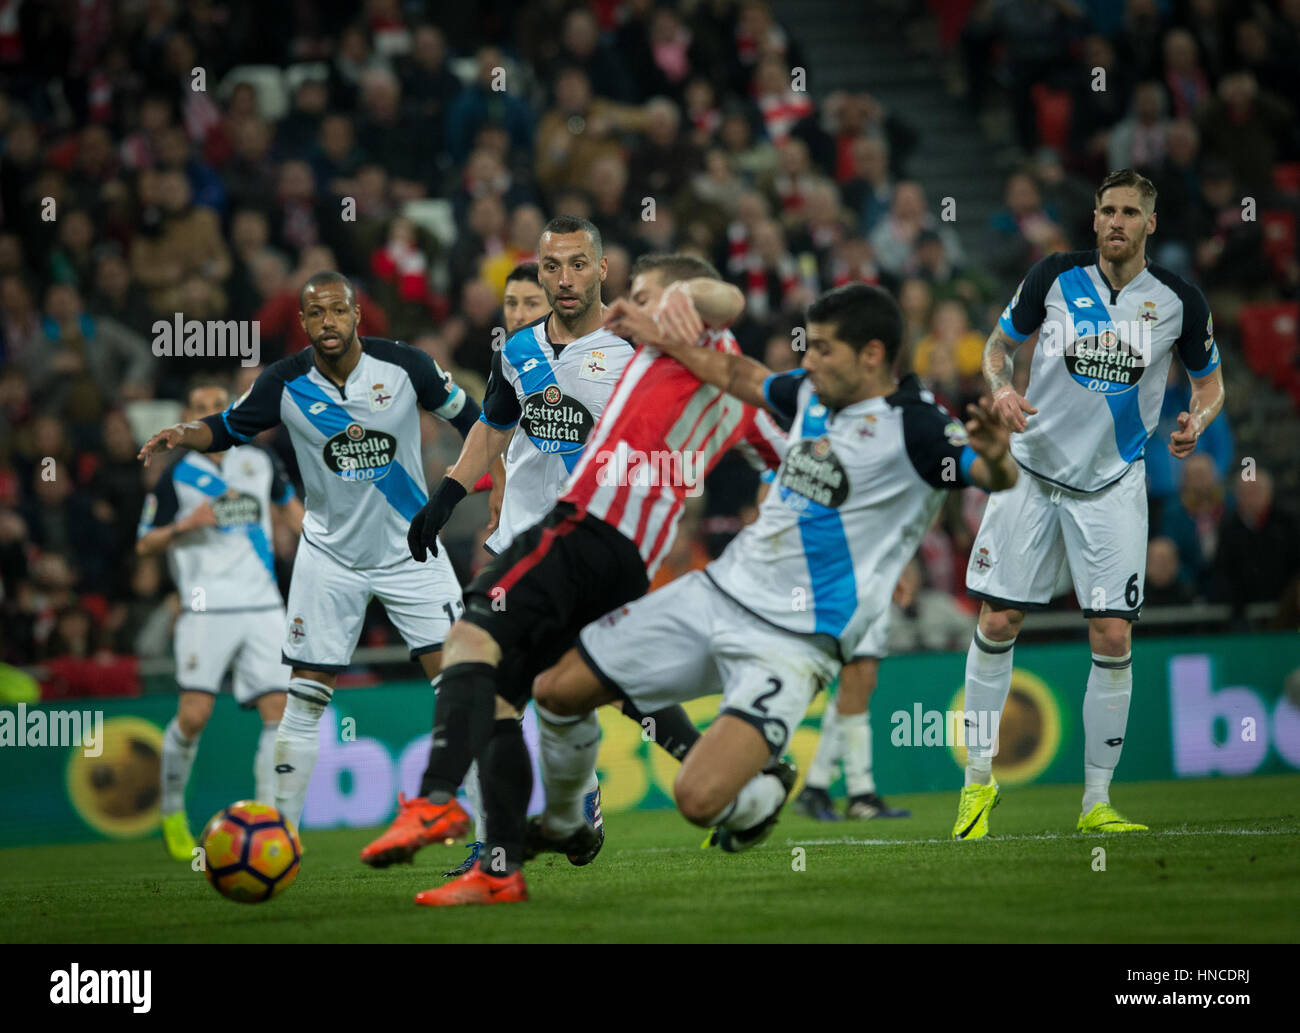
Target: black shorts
x=554, y=579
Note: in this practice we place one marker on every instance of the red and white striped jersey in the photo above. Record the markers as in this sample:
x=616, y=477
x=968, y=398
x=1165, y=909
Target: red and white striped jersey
x=660, y=434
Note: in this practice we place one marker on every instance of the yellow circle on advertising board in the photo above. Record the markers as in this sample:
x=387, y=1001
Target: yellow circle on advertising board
x=1029, y=733
x=117, y=793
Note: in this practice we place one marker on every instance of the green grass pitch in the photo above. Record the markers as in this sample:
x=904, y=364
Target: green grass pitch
x=1221, y=864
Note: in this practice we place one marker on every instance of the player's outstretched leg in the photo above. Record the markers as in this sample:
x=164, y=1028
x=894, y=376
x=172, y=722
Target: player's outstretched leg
x=989, y=663
x=815, y=800
x=180, y=747
x=1105, y=721
x=731, y=781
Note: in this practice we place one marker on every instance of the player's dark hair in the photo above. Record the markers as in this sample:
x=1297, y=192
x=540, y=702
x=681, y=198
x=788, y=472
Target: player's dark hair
x=201, y=380
x=576, y=224
x=524, y=272
x=861, y=312
x=674, y=267
x=1129, y=178
x=320, y=280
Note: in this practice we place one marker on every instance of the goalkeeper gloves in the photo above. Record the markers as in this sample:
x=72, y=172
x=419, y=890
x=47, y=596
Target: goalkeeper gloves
x=423, y=534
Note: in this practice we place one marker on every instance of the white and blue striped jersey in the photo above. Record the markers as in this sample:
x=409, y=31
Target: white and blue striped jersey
x=1098, y=373
x=854, y=495
x=555, y=398
x=228, y=567
x=358, y=445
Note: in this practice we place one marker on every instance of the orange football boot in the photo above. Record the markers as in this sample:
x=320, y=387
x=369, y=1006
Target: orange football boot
x=476, y=887
x=418, y=823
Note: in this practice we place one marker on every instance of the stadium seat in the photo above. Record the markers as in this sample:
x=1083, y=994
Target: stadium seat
x=1268, y=338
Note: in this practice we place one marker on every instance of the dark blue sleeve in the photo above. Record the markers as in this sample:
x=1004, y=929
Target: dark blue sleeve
x=257, y=410
x=160, y=505
x=435, y=391
x=1195, y=344
x=500, y=401
x=782, y=393
x=1028, y=307
x=936, y=445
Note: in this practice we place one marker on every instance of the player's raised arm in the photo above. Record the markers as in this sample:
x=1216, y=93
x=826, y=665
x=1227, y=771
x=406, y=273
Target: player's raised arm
x=196, y=435
x=675, y=329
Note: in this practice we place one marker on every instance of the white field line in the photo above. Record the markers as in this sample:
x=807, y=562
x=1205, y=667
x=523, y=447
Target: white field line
x=850, y=841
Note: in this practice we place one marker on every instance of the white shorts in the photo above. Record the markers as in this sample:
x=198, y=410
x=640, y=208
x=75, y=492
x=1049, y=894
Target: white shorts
x=688, y=640
x=245, y=642
x=1036, y=538
x=875, y=643
x=327, y=605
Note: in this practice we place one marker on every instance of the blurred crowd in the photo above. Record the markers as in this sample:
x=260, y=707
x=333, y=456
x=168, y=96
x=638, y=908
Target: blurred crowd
x=185, y=156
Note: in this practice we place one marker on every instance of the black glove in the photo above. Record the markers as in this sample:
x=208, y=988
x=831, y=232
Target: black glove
x=428, y=522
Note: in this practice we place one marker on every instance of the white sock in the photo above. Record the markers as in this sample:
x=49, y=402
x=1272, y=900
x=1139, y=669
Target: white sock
x=568, y=750
x=474, y=791
x=1105, y=717
x=297, y=744
x=855, y=734
x=821, y=773
x=177, y=759
x=757, y=799
x=264, y=765
x=988, y=681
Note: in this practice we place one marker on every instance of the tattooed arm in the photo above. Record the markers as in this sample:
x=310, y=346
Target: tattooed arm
x=1009, y=406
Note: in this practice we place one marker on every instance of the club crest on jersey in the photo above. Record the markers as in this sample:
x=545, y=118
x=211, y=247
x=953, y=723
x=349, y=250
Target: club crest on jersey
x=192, y=662
x=955, y=433
x=1147, y=313
x=867, y=428
x=555, y=422
x=297, y=630
x=360, y=453
x=379, y=398
x=982, y=560
x=593, y=366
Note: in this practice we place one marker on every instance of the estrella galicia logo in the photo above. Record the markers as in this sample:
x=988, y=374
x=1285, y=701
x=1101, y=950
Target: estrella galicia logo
x=1103, y=361
x=813, y=470
x=235, y=509
x=360, y=454
x=555, y=422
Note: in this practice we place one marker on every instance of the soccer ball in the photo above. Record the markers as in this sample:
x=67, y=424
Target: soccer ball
x=251, y=853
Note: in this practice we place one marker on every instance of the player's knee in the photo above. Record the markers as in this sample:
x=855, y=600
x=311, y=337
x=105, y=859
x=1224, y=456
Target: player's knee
x=1111, y=637
x=271, y=707
x=696, y=801
x=193, y=713
x=467, y=643
x=1000, y=625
